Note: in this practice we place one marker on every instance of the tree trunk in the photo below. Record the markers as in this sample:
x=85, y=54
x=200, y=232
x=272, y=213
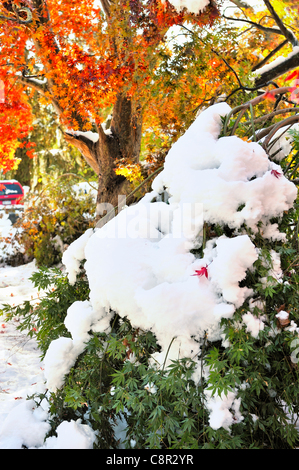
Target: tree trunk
x=121, y=141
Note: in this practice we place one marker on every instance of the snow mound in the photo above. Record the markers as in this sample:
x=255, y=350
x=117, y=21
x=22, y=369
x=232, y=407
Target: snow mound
x=140, y=263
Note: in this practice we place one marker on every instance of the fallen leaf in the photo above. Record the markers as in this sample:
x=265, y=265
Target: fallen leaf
x=276, y=173
x=202, y=271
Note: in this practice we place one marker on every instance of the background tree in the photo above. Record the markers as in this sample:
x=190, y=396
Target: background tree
x=53, y=157
x=84, y=59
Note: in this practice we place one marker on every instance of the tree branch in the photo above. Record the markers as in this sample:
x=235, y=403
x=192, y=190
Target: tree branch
x=86, y=147
x=29, y=81
x=42, y=89
x=257, y=25
x=285, y=31
x=272, y=53
x=106, y=7
x=270, y=116
x=289, y=121
x=288, y=64
x=240, y=4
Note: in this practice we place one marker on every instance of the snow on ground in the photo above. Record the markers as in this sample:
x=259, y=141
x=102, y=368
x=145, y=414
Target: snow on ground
x=21, y=371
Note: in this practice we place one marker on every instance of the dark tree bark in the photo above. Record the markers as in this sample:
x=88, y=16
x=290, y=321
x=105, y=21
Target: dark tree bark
x=123, y=143
x=278, y=70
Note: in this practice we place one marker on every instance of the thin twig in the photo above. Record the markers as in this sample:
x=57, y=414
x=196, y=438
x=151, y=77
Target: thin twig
x=285, y=122
x=273, y=114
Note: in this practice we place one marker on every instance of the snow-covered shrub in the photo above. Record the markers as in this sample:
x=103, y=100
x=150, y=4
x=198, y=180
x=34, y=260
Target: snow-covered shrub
x=51, y=221
x=186, y=338
x=45, y=320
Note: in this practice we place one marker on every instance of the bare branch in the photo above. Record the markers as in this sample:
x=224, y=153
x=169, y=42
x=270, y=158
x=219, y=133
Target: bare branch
x=257, y=25
x=273, y=114
x=285, y=31
x=240, y=4
x=289, y=121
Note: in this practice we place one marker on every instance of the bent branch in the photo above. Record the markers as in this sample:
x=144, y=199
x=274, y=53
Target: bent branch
x=86, y=147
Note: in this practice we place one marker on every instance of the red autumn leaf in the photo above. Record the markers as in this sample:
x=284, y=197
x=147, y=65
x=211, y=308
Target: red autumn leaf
x=292, y=75
x=9, y=364
x=269, y=96
x=202, y=271
x=18, y=398
x=3, y=325
x=276, y=173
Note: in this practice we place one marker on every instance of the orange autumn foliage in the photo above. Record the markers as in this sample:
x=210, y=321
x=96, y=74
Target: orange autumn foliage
x=79, y=58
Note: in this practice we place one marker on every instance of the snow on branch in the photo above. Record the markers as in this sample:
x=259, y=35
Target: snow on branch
x=277, y=68
x=194, y=6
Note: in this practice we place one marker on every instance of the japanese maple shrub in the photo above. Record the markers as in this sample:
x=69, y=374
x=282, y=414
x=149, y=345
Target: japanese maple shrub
x=186, y=338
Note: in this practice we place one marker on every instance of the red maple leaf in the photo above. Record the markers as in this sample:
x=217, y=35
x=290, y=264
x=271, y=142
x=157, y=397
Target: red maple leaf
x=276, y=173
x=202, y=271
x=269, y=96
x=292, y=75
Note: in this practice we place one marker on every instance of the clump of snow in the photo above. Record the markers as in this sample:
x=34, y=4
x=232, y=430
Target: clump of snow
x=61, y=356
x=293, y=327
x=224, y=410
x=253, y=324
x=234, y=257
x=25, y=425
x=151, y=388
x=194, y=6
x=71, y=435
x=74, y=255
x=93, y=136
x=63, y=352
x=282, y=315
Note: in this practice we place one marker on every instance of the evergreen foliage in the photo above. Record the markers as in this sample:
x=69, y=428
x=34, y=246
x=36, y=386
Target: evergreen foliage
x=115, y=379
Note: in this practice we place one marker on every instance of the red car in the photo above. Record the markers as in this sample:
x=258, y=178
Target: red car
x=11, y=193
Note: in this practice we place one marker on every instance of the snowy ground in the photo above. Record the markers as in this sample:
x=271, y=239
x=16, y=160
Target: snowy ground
x=21, y=371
